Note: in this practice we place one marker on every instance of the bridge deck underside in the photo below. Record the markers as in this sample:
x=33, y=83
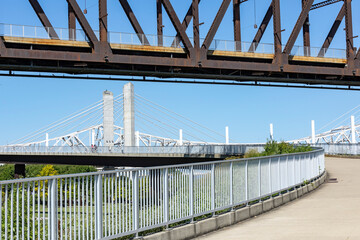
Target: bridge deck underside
x=125, y=160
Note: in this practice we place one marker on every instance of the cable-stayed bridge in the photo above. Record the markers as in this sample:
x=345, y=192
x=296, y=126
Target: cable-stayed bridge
x=107, y=130
x=106, y=133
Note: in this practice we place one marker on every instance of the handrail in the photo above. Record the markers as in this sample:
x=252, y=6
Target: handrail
x=111, y=204
x=24, y=31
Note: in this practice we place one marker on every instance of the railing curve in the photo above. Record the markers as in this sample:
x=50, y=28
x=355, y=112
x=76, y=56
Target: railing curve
x=111, y=204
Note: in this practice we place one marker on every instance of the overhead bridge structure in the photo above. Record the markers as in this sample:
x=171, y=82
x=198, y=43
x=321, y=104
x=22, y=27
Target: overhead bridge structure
x=80, y=52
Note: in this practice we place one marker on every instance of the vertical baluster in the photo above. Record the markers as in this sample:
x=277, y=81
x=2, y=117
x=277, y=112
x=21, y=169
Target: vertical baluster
x=246, y=181
x=98, y=206
x=66, y=207
x=166, y=195
x=87, y=206
x=17, y=210
x=135, y=178
x=6, y=212
x=74, y=208
x=12, y=211
x=33, y=209
x=23, y=211
x=83, y=206
x=28, y=212
x=1, y=204
x=91, y=206
x=116, y=176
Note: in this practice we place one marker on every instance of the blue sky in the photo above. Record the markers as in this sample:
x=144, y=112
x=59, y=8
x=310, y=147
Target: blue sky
x=27, y=104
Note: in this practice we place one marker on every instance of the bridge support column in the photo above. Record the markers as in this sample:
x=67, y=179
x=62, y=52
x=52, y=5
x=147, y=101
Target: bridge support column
x=353, y=137
x=108, y=121
x=180, y=137
x=312, y=131
x=19, y=171
x=227, y=135
x=129, y=115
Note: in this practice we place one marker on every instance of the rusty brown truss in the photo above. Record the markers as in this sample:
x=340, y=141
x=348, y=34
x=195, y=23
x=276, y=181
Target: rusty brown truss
x=195, y=60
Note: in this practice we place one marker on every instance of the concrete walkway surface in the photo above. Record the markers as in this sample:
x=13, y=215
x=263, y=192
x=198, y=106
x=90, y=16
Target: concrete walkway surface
x=330, y=212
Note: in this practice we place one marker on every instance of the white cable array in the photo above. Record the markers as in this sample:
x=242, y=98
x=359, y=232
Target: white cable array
x=178, y=121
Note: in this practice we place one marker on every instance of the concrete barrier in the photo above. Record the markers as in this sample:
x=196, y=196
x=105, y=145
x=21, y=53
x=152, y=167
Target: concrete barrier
x=256, y=209
x=184, y=232
x=299, y=192
x=293, y=195
x=242, y=214
x=268, y=205
x=286, y=197
x=225, y=220
x=310, y=186
x=205, y=226
x=305, y=189
x=211, y=224
x=278, y=201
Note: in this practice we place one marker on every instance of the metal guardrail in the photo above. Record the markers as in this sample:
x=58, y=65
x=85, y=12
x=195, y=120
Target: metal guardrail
x=339, y=148
x=111, y=204
x=13, y=30
x=187, y=150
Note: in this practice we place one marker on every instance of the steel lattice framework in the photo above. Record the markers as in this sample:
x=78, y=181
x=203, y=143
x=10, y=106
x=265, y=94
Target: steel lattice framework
x=187, y=58
x=341, y=134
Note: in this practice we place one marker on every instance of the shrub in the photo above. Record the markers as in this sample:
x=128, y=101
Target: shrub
x=252, y=153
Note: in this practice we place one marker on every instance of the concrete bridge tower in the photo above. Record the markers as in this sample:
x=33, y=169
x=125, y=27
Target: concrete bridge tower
x=108, y=121
x=129, y=115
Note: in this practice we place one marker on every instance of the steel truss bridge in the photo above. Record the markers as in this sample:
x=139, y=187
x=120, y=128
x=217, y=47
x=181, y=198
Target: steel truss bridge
x=25, y=49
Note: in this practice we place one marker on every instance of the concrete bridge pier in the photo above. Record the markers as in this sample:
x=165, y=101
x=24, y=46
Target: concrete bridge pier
x=19, y=171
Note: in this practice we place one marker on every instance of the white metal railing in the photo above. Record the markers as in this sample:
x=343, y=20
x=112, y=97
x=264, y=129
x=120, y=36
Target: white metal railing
x=339, y=148
x=189, y=149
x=166, y=41
x=111, y=204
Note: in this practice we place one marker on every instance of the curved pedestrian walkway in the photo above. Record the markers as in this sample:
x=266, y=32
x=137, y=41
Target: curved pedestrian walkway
x=330, y=212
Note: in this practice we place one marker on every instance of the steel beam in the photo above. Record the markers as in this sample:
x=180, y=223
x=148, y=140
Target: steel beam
x=215, y=25
x=134, y=22
x=185, y=23
x=300, y=22
x=2, y=45
x=177, y=25
x=306, y=32
x=159, y=22
x=71, y=23
x=83, y=22
x=103, y=28
x=332, y=32
x=196, y=23
x=261, y=29
x=349, y=34
x=237, y=26
x=277, y=31
x=43, y=19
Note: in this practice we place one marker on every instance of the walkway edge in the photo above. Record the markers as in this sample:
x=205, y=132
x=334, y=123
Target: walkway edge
x=197, y=229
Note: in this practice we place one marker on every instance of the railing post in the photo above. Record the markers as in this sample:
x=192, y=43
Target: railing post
x=231, y=185
x=270, y=178
x=212, y=184
x=135, y=200
x=53, y=209
x=246, y=181
x=287, y=171
x=166, y=195
x=259, y=176
x=98, y=207
x=279, y=187
x=191, y=192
